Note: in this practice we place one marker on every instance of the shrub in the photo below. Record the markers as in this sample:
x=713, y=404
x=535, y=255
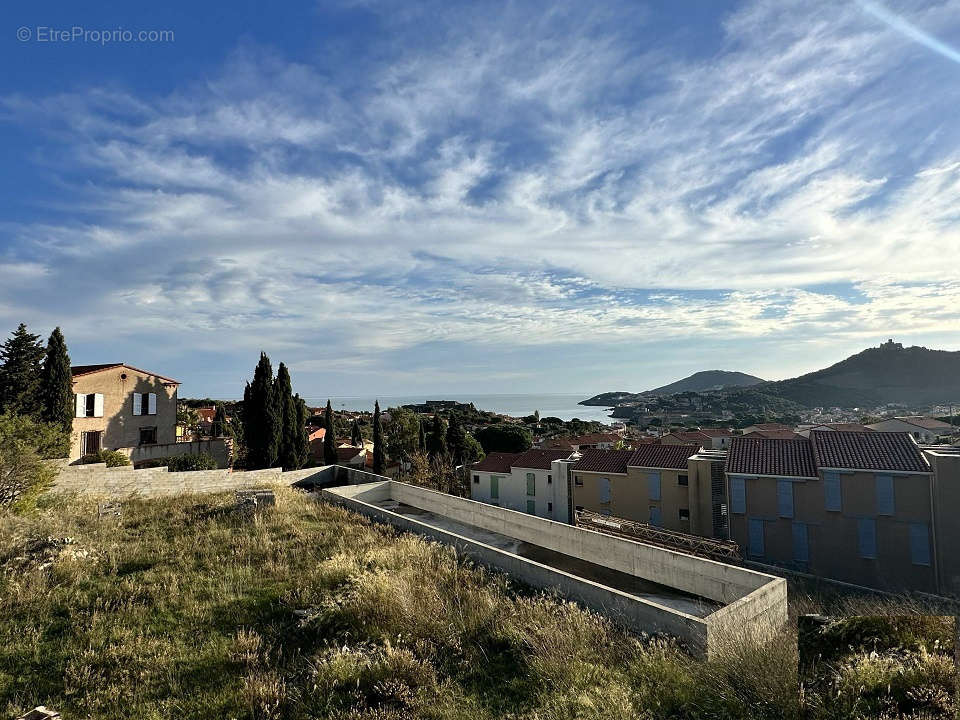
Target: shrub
x=24, y=445
x=184, y=463
x=113, y=458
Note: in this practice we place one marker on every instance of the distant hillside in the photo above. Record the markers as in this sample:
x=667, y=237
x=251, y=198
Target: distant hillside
x=707, y=380
x=890, y=373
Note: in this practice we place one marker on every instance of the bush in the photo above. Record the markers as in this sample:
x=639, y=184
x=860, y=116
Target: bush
x=113, y=458
x=505, y=437
x=184, y=463
x=24, y=445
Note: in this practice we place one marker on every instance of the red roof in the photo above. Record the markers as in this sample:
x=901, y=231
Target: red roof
x=845, y=427
x=206, y=414
x=928, y=423
x=606, y=461
x=594, y=438
x=78, y=370
x=691, y=436
x=867, y=451
x=539, y=459
x=717, y=432
x=770, y=426
x=774, y=434
x=670, y=457
x=766, y=456
x=346, y=454
x=496, y=462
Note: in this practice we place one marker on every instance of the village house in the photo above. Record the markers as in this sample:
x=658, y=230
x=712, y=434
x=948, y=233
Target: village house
x=922, y=429
x=534, y=482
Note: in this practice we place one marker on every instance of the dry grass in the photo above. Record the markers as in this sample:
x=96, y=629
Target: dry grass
x=181, y=608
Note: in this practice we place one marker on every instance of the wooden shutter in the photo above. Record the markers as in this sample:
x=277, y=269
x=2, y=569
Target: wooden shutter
x=137, y=404
x=785, y=498
x=756, y=537
x=81, y=408
x=831, y=489
x=98, y=405
x=653, y=486
x=801, y=545
x=738, y=495
x=151, y=404
x=885, y=502
x=604, y=490
x=919, y=544
x=867, y=538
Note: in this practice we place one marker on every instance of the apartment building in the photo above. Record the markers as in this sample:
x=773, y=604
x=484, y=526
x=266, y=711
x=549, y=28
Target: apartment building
x=649, y=484
x=535, y=482
x=922, y=429
x=707, y=438
x=852, y=506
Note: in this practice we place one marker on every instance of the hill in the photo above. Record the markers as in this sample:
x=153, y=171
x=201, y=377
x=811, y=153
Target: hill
x=707, y=380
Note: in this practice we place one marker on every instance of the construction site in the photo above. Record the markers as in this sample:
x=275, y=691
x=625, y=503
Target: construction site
x=645, y=586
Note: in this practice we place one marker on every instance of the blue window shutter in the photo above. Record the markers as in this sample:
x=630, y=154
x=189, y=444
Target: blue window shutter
x=604, y=490
x=532, y=507
x=654, y=515
x=801, y=546
x=531, y=484
x=885, y=503
x=756, y=537
x=785, y=498
x=738, y=495
x=653, y=486
x=867, y=538
x=831, y=489
x=919, y=544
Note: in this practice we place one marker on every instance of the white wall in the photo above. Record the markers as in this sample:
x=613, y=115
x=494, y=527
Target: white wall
x=550, y=498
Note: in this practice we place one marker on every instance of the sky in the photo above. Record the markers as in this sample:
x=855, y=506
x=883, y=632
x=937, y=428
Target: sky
x=405, y=197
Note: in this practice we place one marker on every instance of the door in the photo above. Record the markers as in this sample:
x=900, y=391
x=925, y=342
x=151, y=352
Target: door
x=494, y=487
x=91, y=442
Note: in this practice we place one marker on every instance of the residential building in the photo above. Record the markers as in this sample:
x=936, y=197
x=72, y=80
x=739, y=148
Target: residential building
x=707, y=438
x=945, y=463
x=649, y=484
x=774, y=434
x=120, y=407
x=536, y=482
x=851, y=506
x=578, y=443
x=804, y=430
x=922, y=429
x=766, y=427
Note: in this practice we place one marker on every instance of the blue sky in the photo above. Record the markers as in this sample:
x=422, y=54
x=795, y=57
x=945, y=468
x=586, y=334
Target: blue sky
x=401, y=198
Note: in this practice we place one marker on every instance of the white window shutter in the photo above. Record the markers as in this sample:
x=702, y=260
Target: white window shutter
x=152, y=404
x=81, y=409
x=137, y=404
x=98, y=405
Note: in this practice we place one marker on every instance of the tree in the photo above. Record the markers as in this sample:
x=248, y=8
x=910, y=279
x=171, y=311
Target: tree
x=24, y=445
x=261, y=418
x=473, y=451
x=436, y=440
x=422, y=437
x=283, y=392
x=21, y=356
x=379, y=454
x=505, y=437
x=356, y=434
x=403, y=439
x=456, y=440
x=329, y=443
x=302, y=443
x=219, y=427
x=56, y=384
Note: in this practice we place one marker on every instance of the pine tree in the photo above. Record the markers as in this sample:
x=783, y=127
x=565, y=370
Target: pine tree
x=329, y=442
x=283, y=391
x=456, y=440
x=379, y=454
x=302, y=443
x=21, y=356
x=436, y=441
x=356, y=434
x=56, y=384
x=261, y=418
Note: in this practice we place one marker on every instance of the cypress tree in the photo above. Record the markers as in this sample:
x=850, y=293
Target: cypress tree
x=422, y=439
x=262, y=418
x=220, y=426
x=329, y=442
x=436, y=442
x=456, y=440
x=302, y=443
x=379, y=455
x=56, y=384
x=356, y=434
x=283, y=390
x=21, y=356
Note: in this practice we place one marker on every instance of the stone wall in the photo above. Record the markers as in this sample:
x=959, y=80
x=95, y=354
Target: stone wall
x=217, y=448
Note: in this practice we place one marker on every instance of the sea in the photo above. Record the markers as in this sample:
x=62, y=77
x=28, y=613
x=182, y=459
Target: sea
x=564, y=407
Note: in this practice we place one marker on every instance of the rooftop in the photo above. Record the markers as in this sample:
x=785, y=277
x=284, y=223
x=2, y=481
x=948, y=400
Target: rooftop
x=497, y=462
x=78, y=370
x=867, y=451
x=539, y=459
x=670, y=457
x=768, y=456
x=606, y=461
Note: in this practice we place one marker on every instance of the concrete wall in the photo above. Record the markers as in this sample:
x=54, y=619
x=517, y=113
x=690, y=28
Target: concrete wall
x=716, y=581
x=121, y=428
x=946, y=492
x=217, y=448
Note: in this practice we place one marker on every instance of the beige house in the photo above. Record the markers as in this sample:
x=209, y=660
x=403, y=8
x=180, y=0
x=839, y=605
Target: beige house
x=922, y=429
x=118, y=406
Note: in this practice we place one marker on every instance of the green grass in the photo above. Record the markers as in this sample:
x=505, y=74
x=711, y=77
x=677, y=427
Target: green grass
x=182, y=608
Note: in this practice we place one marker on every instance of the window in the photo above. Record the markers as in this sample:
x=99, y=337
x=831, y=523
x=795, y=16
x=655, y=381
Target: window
x=494, y=486
x=655, y=515
x=831, y=490
x=91, y=442
x=682, y=480
x=684, y=513
x=578, y=481
x=148, y=436
x=653, y=486
x=755, y=541
x=89, y=405
x=867, y=538
x=532, y=507
x=549, y=479
x=549, y=507
x=801, y=547
x=785, y=498
x=885, y=502
x=476, y=479
x=144, y=404
x=738, y=495
x=604, y=490
x=531, y=484
x=919, y=544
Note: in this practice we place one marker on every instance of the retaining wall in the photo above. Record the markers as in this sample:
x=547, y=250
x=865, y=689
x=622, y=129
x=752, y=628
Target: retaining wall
x=752, y=600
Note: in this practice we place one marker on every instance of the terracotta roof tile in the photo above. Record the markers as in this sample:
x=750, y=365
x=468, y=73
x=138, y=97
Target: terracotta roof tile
x=539, y=459
x=867, y=451
x=769, y=456
x=607, y=461
x=496, y=462
x=662, y=456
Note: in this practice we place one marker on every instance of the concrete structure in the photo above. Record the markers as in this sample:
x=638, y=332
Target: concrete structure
x=535, y=482
x=119, y=406
x=922, y=429
x=854, y=507
x=703, y=602
x=945, y=463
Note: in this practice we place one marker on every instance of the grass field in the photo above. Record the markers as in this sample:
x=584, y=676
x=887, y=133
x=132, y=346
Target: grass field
x=184, y=608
